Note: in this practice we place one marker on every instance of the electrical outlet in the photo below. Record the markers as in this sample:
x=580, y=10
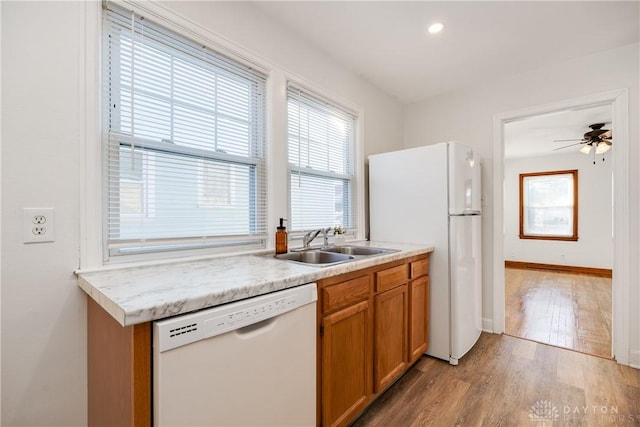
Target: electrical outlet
x=39, y=219
x=39, y=231
x=38, y=225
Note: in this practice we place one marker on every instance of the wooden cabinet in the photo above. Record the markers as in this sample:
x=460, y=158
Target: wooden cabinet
x=390, y=337
x=345, y=347
x=418, y=317
x=346, y=358
x=418, y=308
x=373, y=325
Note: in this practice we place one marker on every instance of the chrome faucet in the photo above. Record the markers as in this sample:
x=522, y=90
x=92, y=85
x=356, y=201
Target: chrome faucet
x=324, y=232
x=308, y=238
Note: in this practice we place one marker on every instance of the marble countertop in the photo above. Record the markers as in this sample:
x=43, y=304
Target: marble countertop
x=140, y=294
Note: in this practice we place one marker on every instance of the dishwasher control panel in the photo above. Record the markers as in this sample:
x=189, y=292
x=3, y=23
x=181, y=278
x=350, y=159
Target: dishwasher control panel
x=182, y=330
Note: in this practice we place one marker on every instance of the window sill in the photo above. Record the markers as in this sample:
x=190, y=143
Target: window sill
x=559, y=238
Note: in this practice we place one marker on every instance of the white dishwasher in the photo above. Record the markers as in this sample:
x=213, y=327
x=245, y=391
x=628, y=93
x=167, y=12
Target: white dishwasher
x=246, y=363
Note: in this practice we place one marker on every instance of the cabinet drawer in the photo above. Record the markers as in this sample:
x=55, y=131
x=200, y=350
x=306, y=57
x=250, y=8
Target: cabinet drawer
x=420, y=268
x=345, y=293
x=391, y=277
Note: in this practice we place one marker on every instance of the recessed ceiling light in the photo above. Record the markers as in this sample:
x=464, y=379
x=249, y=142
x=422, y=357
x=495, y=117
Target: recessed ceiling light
x=435, y=28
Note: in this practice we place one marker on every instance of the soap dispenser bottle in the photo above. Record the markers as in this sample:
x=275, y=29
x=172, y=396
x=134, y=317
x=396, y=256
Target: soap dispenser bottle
x=281, y=238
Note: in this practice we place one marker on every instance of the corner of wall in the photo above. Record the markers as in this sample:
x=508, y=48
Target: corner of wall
x=634, y=359
x=487, y=325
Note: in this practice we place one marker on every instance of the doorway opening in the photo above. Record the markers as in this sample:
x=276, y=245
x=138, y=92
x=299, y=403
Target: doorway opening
x=558, y=241
x=617, y=103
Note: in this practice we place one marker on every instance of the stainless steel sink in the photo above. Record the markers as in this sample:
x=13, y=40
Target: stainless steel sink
x=323, y=257
x=359, y=250
x=316, y=257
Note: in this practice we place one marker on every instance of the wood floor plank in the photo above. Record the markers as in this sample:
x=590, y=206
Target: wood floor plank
x=570, y=369
x=600, y=391
x=526, y=349
x=499, y=382
x=626, y=375
x=402, y=400
x=394, y=396
x=562, y=309
x=432, y=407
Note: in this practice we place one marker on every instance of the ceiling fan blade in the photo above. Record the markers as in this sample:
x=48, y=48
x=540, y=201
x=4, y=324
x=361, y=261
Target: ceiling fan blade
x=606, y=135
x=567, y=146
x=572, y=139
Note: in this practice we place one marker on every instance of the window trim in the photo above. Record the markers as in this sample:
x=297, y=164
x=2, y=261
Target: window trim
x=574, y=235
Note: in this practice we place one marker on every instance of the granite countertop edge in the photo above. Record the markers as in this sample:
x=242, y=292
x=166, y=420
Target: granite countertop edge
x=134, y=295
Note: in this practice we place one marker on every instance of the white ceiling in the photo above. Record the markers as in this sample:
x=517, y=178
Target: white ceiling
x=535, y=136
x=386, y=42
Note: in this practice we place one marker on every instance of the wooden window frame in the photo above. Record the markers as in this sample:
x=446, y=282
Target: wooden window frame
x=574, y=236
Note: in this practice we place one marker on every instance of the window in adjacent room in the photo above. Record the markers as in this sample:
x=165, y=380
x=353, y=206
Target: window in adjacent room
x=321, y=145
x=549, y=205
x=183, y=142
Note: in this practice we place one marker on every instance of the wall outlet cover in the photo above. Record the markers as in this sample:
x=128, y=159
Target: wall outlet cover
x=38, y=225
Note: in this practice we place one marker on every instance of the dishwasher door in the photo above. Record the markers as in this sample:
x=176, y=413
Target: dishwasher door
x=247, y=363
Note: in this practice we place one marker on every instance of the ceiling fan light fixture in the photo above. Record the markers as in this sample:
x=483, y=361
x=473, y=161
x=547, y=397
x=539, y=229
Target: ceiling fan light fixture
x=586, y=149
x=602, y=147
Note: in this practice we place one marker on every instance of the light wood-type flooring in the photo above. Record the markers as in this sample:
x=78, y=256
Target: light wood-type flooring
x=562, y=309
x=508, y=381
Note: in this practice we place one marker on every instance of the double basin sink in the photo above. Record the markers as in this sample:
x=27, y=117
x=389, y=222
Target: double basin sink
x=333, y=254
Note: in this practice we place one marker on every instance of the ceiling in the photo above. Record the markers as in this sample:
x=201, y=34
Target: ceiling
x=535, y=136
x=386, y=42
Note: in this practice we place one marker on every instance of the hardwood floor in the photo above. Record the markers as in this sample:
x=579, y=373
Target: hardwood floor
x=509, y=381
x=562, y=309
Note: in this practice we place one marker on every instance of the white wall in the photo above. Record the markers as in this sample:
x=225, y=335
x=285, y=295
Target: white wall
x=43, y=311
x=594, y=247
x=467, y=116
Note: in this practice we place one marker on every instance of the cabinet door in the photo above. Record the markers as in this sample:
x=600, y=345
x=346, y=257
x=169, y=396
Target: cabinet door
x=390, y=336
x=418, y=317
x=346, y=364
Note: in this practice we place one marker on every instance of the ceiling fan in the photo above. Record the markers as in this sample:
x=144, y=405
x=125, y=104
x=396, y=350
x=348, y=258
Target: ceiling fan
x=597, y=138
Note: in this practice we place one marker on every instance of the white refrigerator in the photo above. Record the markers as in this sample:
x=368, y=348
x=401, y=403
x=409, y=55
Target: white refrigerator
x=431, y=195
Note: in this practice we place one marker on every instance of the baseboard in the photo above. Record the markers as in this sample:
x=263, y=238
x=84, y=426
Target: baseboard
x=634, y=359
x=600, y=272
x=487, y=324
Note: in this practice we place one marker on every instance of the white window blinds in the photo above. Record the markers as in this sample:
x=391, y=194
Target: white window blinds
x=184, y=142
x=321, y=142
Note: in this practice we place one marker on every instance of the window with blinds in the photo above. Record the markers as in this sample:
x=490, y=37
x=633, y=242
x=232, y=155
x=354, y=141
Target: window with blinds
x=183, y=143
x=321, y=143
